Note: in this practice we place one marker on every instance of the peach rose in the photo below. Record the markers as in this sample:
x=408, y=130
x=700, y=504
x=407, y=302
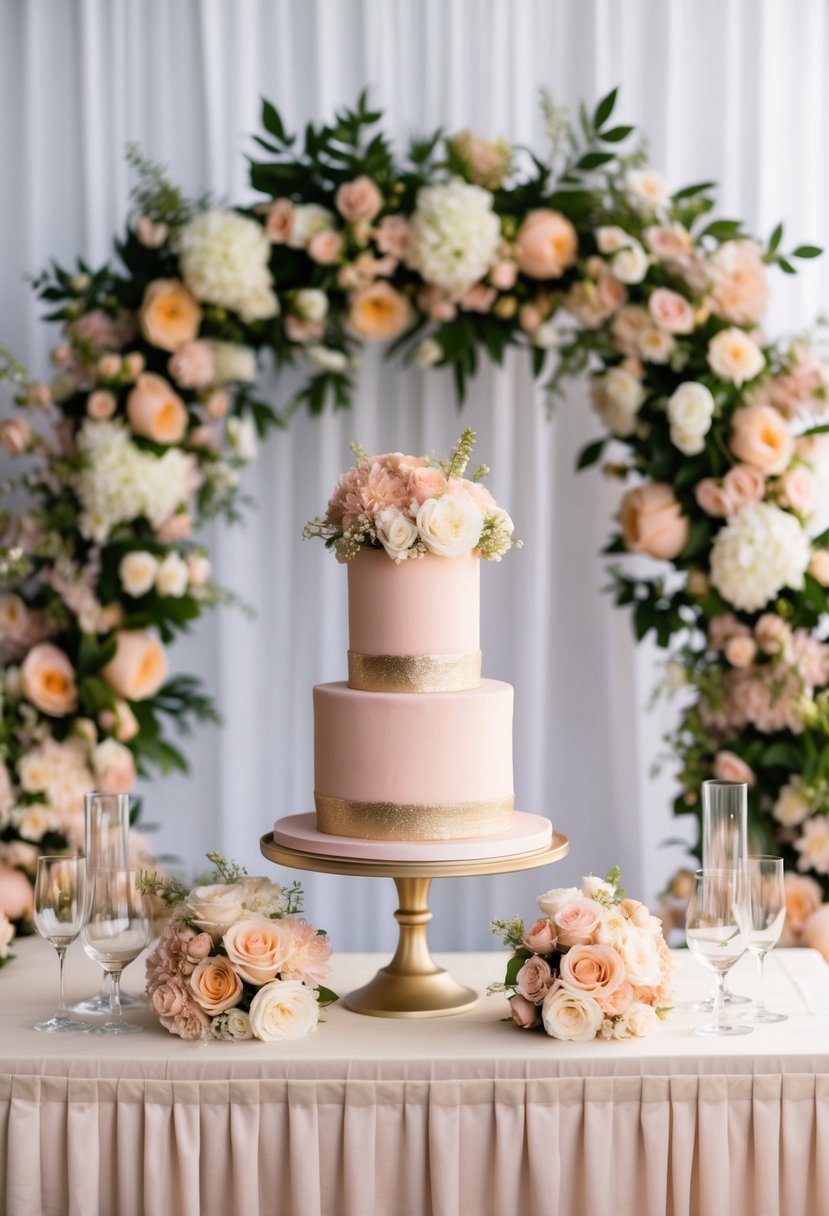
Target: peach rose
x=524, y=1013
x=215, y=985
x=175, y=527
x=303, y=329
x=713, y=498
x=485, y=161
x=392, y=236
x=616, y=1003
x=541, y=936
x=546, y=244
x=358, y=200
x=139, y=667
x=773, y=634
x=730, y=767
x=819, y=566
x=577, y=923
x=803, y=898
x=799, y=490
x=535, y=979
x=761, y=437
x=598, y=970
x=47, y=679
x=193, y=365
x=743, y=485
x=816, y=931
x=735, y=357
x=741, y=652
x=101, y=404
x=169, y=999
x=652, y=521
x=378, y=311
x=16, y=436
x=503, y=275
x=280, y=221
x=120, y=721
x=427, y=483
x=671, y=311
x=325, y=247
x=156, y=411
x=258, y=948
x=15, y=893
x=169, y=315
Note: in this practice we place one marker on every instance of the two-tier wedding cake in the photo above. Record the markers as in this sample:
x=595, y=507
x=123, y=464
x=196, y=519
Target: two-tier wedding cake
x=414, y=748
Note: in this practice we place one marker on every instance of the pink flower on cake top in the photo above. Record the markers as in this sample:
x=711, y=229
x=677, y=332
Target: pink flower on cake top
x=413, y=505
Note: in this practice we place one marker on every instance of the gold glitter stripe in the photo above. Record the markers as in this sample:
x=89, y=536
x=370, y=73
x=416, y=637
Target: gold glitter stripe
x=413, y=821
x=414, y=672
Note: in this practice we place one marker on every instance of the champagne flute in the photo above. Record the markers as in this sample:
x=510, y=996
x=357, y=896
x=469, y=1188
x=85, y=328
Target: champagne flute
x=60, y=906
x=765, y=912
x=116, y=932
x=715, y=931
x=724, y=847
x=106, y=844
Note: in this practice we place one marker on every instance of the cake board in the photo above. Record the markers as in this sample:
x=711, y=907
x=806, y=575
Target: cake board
x=412, y=985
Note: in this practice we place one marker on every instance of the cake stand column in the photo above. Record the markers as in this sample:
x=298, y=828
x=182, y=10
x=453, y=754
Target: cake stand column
x=412, y=985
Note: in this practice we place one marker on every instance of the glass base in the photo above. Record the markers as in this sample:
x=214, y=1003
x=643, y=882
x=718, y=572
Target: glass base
x=115, y=1028
x=729, y=998
x=58, y=1025
x=99, y=1004
x=729, y=1028
x=758, y=1018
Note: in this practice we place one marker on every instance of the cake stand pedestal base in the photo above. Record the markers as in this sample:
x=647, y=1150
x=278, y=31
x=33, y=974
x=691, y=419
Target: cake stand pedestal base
x=412, y=985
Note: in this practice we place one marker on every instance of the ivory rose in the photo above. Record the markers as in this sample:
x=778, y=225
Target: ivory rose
x=449, y=525
x=169, y=315
x=378, y=312
x=47, y=679
x=283, y=1010
x=137, y=571
x=396, y=532
x=792, y=807
x=571, y=1015
x=640, y=956
x=546, y=244
x=551, y=901
x=598, y=970
x=359, y=199
x=641, y=1020
x=215, y=985
x=761, y=437
x=652, y=521
x=121, y=721
x=690, y=411
x=215, y=907
x=535, y=979
x=617, y=397
x=813, y=845
x=139, y=667
x=577, y=922
x=541, y=936
x=671, y=311
x=524, y=1013
x=156, y=411
x=735, y=357
x=258, y=947
x=647, y=188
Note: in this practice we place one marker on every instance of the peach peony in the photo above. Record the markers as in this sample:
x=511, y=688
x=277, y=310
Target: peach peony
x=652, y=521
x=258, y=948
x=156, y=411
x=546, y=244
x=47, y=679
x=740, y=286
x=309, y=954
x=169, y=315
x=15, y=893
x=761, y=437
x=598, y=970
x=378, y=311
x=358, y=200
x=139, y=667
x=215, y=985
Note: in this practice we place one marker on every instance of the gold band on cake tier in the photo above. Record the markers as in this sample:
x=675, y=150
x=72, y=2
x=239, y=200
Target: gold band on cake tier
x=414, y=672
x=399, y=821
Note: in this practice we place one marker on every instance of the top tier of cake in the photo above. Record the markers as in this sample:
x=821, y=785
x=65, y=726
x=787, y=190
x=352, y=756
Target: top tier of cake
x=413, y=626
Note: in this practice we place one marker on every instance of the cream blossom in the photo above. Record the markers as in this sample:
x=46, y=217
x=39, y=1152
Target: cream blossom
x=759, y=551
x=792, y=806
x=647, y=189
x=137, y=572
x=690, y=412
x=224, y=260
x=308, y=219
x=214, y=908
x=449, y=525
x=396, y=532
x=571, y=1015
x=172, y=576
x=637, y=947
x=734, y=356
x=617, y=397
x=454, y=235
x=551, y=901
x=813, y=845
x=283, y=1010
x=114, y=766
x=641, y=1019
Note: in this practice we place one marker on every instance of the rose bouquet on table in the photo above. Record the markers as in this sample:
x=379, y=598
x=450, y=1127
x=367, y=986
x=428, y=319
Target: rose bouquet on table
x=596, y=964
x=413, y=505
x=234, y=960
x=6, y=937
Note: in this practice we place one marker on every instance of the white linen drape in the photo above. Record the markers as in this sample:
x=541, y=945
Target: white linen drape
x=727, y=89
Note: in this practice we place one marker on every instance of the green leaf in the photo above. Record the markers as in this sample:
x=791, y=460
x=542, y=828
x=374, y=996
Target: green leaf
x=775, y=238
x=590, y=454
x=513, y=967
x=722, y=230
x=807, y=251
x=604, y=109
x=594, y=160
x=325, y=996
x=690, y=191
x=615, y=135
x=786, y=266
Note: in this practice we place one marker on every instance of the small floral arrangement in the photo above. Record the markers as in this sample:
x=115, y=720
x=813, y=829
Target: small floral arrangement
x=413, y=505
x=6, y=937
x=234, y=961
x=595, y=965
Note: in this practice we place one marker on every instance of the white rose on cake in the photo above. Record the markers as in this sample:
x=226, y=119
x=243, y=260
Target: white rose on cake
x=449, y=525
x=283, y=1009
x=396, y=532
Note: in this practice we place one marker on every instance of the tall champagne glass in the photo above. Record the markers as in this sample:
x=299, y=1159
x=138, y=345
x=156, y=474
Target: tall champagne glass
x=116, y=932
x=765, y=912
x=715, y=929
x=60, y=905
x=724, y=846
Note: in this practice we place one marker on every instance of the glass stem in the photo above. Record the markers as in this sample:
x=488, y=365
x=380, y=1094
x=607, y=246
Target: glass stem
x=62, y=1011
x=719, y=1002
x=115, y=997
x=760, y=1003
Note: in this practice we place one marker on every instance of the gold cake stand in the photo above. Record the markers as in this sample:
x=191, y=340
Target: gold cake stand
x=412, y=985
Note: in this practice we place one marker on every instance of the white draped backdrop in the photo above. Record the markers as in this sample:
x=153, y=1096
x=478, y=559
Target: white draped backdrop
x=727, y=89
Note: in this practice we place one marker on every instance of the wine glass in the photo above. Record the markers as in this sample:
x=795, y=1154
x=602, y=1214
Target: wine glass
x=116, y=932
x=765, y=912
x=60, y=910
x=715, y=932
x=724, y=846
x=106, y=844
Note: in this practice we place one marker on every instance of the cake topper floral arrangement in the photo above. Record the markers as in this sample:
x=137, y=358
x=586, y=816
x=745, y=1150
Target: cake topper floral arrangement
x=235, y=961
x=596, y=964
x=413, y=505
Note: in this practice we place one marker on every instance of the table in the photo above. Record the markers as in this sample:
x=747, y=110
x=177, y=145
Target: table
x=402, y=1118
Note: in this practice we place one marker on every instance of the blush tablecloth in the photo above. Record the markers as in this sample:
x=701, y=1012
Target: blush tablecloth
x=375, y=1117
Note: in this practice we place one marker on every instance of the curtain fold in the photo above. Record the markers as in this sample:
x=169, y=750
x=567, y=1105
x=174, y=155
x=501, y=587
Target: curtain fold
x=728, y=89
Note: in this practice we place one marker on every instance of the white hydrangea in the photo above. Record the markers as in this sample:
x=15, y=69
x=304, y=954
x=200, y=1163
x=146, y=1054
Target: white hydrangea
x=454, y=235
x=224, y=261
x=234, y=363
x=120, y=482
x=760, y=551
